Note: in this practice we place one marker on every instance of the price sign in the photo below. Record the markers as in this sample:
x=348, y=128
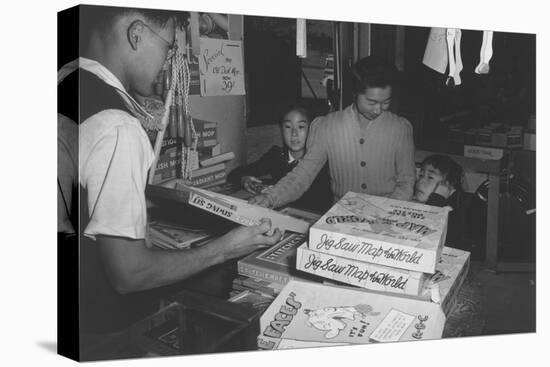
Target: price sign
x=221, y=67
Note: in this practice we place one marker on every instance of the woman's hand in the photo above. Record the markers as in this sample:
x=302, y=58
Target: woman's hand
x=252, y=184
x=262, y=200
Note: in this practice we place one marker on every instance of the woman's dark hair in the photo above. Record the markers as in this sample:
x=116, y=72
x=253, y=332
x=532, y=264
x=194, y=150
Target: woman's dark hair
x=451, y=171
x=373, y=72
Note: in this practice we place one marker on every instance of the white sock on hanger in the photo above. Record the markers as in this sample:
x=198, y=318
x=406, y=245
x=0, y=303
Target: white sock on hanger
x=485, y=53
x=451, y=34
x=458, y=60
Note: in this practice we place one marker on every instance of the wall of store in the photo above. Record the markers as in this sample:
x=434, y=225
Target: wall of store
x=227, y=111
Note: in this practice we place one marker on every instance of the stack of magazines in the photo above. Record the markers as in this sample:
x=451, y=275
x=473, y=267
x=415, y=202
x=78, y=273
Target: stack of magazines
x=173, y=237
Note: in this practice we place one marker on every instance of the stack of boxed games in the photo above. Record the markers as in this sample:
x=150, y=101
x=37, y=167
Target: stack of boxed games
x=266, y=272
x=207, y=165
x=274, y=264
x=175, y=237
x=206, y=177
x=207, y=170
x=443, y=286
x=393, y=250
x=169, y=161
x=377, y=243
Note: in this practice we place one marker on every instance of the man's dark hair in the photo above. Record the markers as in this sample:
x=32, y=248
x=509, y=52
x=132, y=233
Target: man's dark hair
x=451, y=171
x=373, y=72
x=101, y=18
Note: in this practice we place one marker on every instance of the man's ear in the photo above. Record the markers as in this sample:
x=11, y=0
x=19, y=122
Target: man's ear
x=135, y=33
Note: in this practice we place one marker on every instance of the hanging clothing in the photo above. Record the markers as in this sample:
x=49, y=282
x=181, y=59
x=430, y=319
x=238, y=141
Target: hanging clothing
x=485, y=53
x=444, y=53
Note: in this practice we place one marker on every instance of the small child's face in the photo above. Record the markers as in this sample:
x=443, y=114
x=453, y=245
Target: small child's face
x=295, y=127
x=426, y=183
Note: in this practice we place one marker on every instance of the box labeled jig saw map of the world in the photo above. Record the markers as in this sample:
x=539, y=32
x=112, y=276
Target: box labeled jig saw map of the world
x=382, y=231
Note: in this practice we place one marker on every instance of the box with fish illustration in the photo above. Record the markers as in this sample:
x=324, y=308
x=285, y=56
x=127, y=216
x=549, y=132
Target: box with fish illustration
x=382, y=231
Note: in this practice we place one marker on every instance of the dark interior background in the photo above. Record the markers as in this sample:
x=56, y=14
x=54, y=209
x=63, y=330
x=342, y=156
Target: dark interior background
x=506, y=95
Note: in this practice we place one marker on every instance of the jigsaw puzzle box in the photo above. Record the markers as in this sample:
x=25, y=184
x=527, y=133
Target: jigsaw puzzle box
x=156, y=107
x=382, y=231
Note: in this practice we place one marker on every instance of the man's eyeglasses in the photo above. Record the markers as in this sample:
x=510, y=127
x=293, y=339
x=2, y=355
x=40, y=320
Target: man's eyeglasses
x=171, y=45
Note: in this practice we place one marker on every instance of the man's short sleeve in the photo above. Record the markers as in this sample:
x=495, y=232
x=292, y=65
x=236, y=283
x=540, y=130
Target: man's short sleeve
x=115, y=156
x=67, y=171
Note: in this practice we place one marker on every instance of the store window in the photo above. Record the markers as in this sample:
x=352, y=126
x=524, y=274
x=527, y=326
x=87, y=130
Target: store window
x=276, y=77
x=318, y=66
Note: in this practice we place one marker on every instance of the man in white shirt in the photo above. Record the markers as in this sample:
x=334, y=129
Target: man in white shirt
x=124, y=52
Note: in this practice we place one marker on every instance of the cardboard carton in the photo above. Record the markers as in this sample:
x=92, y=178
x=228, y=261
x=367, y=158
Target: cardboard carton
x=306, y=312
x=359, y=273
x=443, y=286
x=275, y=264
x=451, y=271
x=239, y=211
x=382, y=231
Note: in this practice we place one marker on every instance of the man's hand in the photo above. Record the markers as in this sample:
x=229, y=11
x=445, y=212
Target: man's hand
x=243, y=240
x=132, y=266
x=261, y=200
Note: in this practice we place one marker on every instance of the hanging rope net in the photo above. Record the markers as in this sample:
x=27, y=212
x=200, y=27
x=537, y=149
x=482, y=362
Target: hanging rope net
x=181, y=79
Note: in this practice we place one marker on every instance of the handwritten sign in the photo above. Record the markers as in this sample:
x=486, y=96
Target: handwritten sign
x=221, y=67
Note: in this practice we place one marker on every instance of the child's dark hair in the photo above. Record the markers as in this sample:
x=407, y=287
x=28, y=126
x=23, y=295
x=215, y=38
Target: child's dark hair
x=451, y=171
x=299, y=107
x=372, y=72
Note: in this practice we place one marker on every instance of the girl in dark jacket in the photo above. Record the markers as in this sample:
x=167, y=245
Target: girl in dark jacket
x=278, y=161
